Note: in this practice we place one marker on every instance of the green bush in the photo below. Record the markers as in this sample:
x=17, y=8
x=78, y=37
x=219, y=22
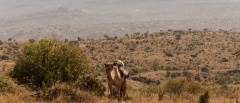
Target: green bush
x=193, y=87
x=175, y=86
x=193, y=55
x=204, y=98
x=45, y=62
x=168, y=68
x=168, y=54
x=133, y=71
x=155, y=65
x=161, y=93
x=187, y=74
x=9, y=39
x=148, y=49
x=178, y=36
x=15, y=47
x=205, y=69
x=4, y=57
x=180, y=85
x=168, y=74
x=31, y=40
x=225, y=60
x=91, y=84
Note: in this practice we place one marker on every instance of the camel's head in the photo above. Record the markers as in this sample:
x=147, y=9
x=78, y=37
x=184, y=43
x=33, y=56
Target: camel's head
x=108, y=67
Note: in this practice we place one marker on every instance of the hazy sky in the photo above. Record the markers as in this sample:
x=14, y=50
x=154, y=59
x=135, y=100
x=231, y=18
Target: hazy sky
x=151, y=7
x=18, y=16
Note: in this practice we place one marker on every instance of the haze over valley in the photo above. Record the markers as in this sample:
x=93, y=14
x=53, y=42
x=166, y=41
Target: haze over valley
x=37, y=19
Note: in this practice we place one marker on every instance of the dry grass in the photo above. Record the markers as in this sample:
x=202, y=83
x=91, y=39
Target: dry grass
x=139, y=97
x=17, y=98
x=10, y=92
x=66, y=94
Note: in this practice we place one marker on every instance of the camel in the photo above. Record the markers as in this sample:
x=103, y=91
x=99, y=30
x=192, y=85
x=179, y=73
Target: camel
x=116, y=76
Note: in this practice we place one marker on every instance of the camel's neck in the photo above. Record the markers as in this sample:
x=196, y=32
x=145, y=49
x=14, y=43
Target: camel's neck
x=109, y=76
x=116, y=71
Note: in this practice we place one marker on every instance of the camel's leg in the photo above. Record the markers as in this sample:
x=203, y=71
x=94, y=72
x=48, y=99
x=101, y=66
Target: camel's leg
x=125, y=93
x=111, y=91
x=124, y=90
x=119, y=93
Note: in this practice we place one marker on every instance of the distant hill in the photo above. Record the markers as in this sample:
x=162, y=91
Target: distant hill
x=94, y=18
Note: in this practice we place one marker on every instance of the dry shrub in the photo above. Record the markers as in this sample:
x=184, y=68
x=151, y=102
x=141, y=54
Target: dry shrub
x=67, y=93
x=133, y=71
x=176, y=87
x=193, y=87
x=151, y=89
x=16, y=98
x=8, y=85
x=204, y=98
x=10, y=92
x=90, y=84
x=179, y=85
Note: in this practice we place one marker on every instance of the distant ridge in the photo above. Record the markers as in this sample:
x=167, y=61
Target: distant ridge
x=94, y=18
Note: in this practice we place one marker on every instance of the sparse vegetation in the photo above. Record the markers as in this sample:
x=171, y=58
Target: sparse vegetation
x=161, y=68
x=224, y=60
x=66, y=93
x=179, y=86
x=31, y=40
x=178, y=36
x=90, y=84
x=4, y=57
x=8, y=85
x=205, y=69
x=204, y=98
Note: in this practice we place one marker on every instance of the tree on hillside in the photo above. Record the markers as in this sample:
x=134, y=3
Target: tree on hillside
x=79, y=39
x=31, y=40
x=5, y=57
x=204, y=98
x=107, y=36
x=46, y=62
x=178, y=36
x=237, y=54
x=168, y=54
x=155, y=65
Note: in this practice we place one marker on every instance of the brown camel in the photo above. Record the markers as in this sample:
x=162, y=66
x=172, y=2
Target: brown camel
x=116, y=76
